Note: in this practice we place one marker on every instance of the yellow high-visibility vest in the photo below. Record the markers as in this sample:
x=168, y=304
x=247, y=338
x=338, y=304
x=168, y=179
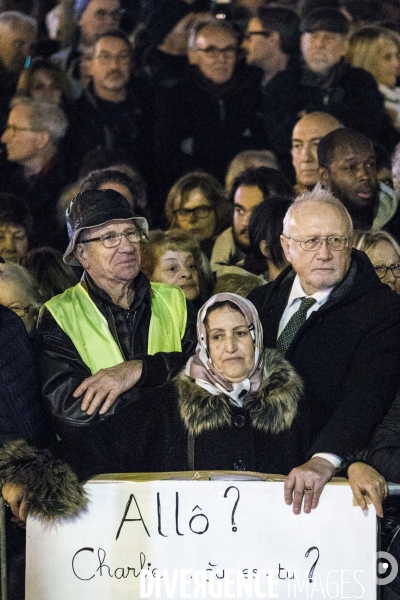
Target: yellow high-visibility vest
x=78, y=316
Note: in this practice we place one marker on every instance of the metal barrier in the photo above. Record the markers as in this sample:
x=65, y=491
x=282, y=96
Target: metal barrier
x=394, y=489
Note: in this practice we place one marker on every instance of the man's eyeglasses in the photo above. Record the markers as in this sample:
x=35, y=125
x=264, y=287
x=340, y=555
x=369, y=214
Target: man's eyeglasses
x=105, y=58
x=111, y=240
x=381, y=270
x=101, y=15
x=248, y=35
x=214, y=52
x=15, y=129
x=200, y=212
x=19, y=310
x=310, y=244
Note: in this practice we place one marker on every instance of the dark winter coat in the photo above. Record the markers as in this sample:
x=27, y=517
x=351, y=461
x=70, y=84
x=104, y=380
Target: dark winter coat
x=347, y=352
x=197, y=129
x=62, y=370
x=21, y=414
x=96, y=124
x=271, y=433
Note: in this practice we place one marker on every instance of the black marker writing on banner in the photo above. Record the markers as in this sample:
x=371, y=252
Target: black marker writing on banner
x=232, y=487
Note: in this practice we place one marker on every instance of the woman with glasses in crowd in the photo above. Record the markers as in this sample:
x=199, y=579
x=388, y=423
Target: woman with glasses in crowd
x=384, y=253
x=196, y=204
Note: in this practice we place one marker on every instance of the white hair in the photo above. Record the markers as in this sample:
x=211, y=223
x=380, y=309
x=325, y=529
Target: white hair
x=16, y=274
x=317, y=196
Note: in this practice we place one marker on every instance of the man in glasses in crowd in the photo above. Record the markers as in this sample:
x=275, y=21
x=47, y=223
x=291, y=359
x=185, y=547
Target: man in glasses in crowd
x=93, y=17
x=339, y=326
x=103, y=340
x=272, y=40
x=204, y=120
x=36, y=170
x=108, y=115
x=347, y=166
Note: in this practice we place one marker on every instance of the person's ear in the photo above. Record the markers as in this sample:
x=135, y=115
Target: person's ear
x=80, y=254
x=42, y=139
x=275, y=38
x=264, y=249
x=324, y=178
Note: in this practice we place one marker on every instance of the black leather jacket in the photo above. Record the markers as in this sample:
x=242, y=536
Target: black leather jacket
x=62, y=370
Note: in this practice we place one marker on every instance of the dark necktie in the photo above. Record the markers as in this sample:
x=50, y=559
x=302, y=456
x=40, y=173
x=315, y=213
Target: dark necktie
x=294, y=324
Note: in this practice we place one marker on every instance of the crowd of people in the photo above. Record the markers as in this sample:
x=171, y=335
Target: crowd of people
x=200, y=246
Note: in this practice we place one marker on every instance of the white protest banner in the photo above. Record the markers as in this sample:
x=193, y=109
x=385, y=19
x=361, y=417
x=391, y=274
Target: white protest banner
x=203, y=539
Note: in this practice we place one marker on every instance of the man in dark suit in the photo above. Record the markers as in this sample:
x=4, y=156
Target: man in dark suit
x=340, y=328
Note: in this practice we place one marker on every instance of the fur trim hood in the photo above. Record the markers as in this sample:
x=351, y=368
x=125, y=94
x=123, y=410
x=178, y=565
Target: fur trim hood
x=51, y=489
x=272, y=408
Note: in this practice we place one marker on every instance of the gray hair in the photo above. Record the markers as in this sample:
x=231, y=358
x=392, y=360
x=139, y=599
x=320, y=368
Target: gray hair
x=44, y=116
x=208, y=22
x=14, y=19
x=317, y=196
x=13, y=273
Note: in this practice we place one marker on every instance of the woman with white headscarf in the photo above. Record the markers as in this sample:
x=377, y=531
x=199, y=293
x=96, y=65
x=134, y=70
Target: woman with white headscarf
x=239, y=407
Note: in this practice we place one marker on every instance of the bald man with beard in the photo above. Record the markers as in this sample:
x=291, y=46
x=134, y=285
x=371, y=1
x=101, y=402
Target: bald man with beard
x=305, y=139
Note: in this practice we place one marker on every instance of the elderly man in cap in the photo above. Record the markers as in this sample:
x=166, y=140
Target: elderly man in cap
x=102, y=340
x=324, y=82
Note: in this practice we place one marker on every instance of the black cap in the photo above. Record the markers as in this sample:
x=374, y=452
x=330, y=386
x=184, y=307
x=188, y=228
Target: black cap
x=94, y=208
x=325, y=19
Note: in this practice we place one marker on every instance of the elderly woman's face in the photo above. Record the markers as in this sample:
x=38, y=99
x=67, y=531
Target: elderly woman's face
x=196, y=216
x=230, y=344
x=178, y=268
x=384, y=255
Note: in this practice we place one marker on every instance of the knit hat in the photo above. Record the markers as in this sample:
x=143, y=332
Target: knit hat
x=94, y=208
x=325, y=19
x=80, y=7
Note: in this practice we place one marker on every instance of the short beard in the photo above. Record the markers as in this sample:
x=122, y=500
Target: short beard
x=243, y=247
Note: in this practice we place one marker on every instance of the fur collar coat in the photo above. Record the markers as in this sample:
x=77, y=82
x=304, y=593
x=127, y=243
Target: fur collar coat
x=271, y=433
